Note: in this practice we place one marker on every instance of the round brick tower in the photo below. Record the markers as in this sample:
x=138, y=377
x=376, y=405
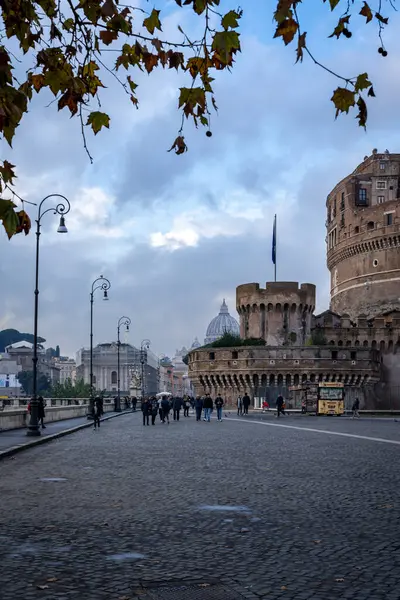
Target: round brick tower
x=363, y=238
x=281, y=313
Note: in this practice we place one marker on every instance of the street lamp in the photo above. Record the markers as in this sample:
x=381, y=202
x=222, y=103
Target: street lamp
x=62, y=208
x=143, y=355
x=102, y=284
x=122, y=321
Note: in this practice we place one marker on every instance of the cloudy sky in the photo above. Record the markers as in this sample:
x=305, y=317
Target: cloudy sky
x=176, y=235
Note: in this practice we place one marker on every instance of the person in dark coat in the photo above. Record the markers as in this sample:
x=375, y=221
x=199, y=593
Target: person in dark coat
x=177, y=405
x=165, y=407
x=97, y=411
x=208, y=407
x=153, y=410
x=134, y=402
x=280, y=405
x=219, y=403
x=186, y=406
x=198, y=404
x=246, y=403
x=41, y=414
x=146, y=410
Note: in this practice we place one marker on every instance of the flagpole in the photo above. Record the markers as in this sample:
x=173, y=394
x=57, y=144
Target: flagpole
x=275, y=248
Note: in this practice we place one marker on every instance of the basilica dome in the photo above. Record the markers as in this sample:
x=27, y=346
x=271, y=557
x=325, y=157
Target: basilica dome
x=222, y=323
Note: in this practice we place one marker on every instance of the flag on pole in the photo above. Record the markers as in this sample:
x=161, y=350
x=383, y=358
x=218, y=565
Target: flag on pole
x=274, y=242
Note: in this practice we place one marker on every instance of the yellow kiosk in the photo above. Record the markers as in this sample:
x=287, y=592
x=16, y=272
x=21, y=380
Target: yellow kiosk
x=330, y=399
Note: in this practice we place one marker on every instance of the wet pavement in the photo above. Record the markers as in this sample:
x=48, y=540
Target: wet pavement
x=204, y=511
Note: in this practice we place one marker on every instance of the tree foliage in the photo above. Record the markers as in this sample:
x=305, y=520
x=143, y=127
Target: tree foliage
x=64, y=44
x=12, y=336
x=26, y=380
x=70, y=389
x=230, y=340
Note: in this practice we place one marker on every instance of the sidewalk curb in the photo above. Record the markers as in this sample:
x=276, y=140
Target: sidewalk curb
x=49, y=438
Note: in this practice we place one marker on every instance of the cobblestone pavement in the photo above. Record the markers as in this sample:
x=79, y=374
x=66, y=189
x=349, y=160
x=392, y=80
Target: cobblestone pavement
x=276, y=512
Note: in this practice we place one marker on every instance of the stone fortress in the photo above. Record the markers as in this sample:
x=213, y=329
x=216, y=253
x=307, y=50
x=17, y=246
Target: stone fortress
x=356, y=341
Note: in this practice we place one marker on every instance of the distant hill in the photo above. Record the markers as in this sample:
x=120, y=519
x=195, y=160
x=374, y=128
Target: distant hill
x=12, y=336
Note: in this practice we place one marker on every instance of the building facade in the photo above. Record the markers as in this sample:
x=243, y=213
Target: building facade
x=105, y=368
x=67, y=368
x=22, y=354
x=356, y=341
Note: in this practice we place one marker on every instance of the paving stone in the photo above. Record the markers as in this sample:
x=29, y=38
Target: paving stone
x=141, y=500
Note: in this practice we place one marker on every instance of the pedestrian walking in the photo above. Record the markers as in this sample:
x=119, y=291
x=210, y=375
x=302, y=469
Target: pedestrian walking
x=208, y=407
x=186, y=407
x=239, y=403
x=41, y=415
x=160, y=410
x=198, y=404
x=355, y=408
x=146, y=410
x=219, y=403
x=280, y=405
x=134, y=403
x=153, y=410
x=165, y=405
x=97, y=412
x=246, y=403
x=177, y=405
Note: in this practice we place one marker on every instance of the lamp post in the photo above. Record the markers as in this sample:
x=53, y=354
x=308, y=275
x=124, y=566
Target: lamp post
x=62, y=208
x=143, y=346
x=122, y=321
x=101, y=283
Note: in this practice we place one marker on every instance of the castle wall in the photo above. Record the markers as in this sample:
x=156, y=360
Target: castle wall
x=363, y=238
x=280, y=313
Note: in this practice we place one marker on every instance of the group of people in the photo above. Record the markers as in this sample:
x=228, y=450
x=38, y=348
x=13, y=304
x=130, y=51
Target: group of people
x=153, y=406
x=164, y=405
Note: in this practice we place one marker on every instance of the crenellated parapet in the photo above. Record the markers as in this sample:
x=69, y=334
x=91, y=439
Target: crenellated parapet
x=281, y=313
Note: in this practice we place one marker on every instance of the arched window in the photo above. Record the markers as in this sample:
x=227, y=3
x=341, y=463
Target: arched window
x=113, y=377
x=356, y=229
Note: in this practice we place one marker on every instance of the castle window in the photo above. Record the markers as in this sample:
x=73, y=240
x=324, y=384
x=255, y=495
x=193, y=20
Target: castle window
x=382, y=166
x=362, y=199
x=370, y=225
x=235, y=354
x=389, y=219
x=381, y=185
x=334, y=354
x=356, y=229
x=381, y=199
x=342, y=202
x=211, y=356
x=353, y=355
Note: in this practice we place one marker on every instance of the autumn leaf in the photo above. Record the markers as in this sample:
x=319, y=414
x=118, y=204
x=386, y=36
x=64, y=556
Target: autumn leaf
x=341, y=27
x=7, y=172
x=225, y=44
x=231, y=19
x=343, y=100
x=9, y=217
x=179, y=145
x=98, y=120
x=37, y=81
x=366, y=12
x=153, y=22
x=107, y=36
x=24, y=222
x=362, y=82
x=383, y=20
x=301, y=44
x=287, y=29
x=333, y=3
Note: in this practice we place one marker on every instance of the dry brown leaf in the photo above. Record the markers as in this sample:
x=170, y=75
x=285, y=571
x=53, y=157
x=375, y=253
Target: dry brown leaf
x=42, y=587
x=386, y=506
x=124, y=598
x=204, y=585
x=339, y=580
x=317, y=541
x=51, y=579
x=284, y=587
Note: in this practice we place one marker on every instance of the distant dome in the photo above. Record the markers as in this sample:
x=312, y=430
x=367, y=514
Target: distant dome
x=196, y=344
x=221, y=324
